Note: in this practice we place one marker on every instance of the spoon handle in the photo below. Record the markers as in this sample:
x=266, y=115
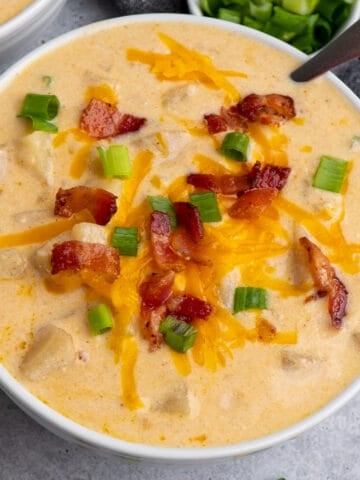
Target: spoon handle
x=345, y=47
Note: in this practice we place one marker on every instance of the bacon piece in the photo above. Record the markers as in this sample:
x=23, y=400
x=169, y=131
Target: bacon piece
x=215, y=123
x=252, y=203
x=160, y=237
x=189, y=306
x=100, y=203
x=266, y=331
x=103, y=120
x=151, y=318
x=225, y=184
x=326, y=281
x=75, y=256
x=184, y=246
x=154, y=292
x=271, y=109
x=228, y=119
x=188, y=216
x=269, y=176
x=157, y=288
x=337, y=302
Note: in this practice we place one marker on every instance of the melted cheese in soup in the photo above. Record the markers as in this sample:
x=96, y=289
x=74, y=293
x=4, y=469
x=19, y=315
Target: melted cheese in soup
x=232, y=385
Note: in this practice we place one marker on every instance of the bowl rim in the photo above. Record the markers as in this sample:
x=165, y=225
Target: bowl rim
x=33, y=10
x=69, y=429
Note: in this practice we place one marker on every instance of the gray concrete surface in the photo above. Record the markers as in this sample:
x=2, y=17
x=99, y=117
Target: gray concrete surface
x=329, y=451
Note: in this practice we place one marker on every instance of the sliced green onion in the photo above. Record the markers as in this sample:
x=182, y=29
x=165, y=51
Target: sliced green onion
x=47, y=79
x=207, y=205
x=40, y=109
x=43, y=125
x=250, y=22
x=322, y=32
x=247, y=298
x=332, y=10
x=229, y=15
x=286, y=25
x=179, y=335
x=163, y=204
x=210, y=6
x=308, y=41
x=260, y=11
x=236, y=4
x=126, y=239
x=301, y=7
x=115, y=161
x=235, y=146
x=100, y=319
x=330, y=174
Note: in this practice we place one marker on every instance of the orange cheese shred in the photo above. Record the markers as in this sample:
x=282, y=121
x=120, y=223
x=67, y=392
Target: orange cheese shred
x=183, y=63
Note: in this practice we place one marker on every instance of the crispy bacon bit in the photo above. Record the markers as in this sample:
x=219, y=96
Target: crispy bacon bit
x=183, y=245
x=151, y=318
x=228, y=119
x=157, y=288
x=154, y=292
x=189, y=306
x=269, y=176
x=266, y=331
x=252, y=203
x=215, y=123
x=160, y=236
x=103, y=120
x=188, y=216
x=225, y=184
x=271, y=109
x=326, y=281
x=75, y=256
x=100, y=203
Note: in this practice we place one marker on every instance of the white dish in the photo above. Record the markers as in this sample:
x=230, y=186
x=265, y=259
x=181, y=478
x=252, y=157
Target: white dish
x=16, y=32
x=72, y=431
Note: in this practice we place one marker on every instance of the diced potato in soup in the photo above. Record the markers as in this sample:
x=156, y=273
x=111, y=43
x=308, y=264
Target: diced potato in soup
x=179, y=256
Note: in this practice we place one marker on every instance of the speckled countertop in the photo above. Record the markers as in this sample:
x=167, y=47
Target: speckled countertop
x=329, y=451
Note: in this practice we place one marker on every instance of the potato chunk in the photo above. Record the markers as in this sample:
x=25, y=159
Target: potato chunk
x=89, y=232
x=291, y=360
x=12, y=264
x=174, y=400
x=52, y=350
x=37, y=153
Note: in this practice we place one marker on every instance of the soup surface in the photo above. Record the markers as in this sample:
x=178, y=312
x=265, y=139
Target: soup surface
x=10, y=9
x=275, y=237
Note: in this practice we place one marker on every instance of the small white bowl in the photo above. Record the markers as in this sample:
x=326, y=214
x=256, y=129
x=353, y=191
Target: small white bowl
x=194, y=8
x=69, y=429
x=16, y=32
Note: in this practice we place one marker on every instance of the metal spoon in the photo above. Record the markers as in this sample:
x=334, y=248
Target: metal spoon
x=345, y=47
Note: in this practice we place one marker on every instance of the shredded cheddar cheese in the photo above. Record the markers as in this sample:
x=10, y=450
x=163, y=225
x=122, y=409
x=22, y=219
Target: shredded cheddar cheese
x=187, y=64
x=101, y=92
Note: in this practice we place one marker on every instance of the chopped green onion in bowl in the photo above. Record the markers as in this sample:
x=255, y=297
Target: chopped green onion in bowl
x=40, y=109
x=306, y=24
x=100, y=319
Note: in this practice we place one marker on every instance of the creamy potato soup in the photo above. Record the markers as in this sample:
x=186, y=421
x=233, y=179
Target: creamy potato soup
x=179, y=245
x=9, y=9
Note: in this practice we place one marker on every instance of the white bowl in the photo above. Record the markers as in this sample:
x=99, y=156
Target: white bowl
x=194, y=8
x=72, y=431
x=16, y=32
